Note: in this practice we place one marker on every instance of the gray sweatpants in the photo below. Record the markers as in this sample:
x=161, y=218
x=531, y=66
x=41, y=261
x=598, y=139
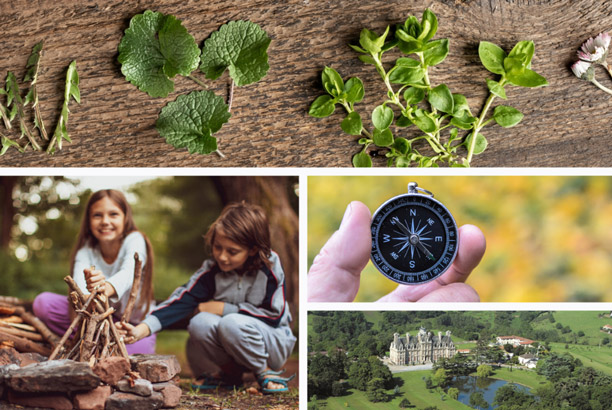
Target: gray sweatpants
x=218, y=340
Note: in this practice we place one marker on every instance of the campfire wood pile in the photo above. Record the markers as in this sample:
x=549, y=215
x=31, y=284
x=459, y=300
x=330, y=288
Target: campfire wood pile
x=98, y=337
x=89, y=367
x=22, y=330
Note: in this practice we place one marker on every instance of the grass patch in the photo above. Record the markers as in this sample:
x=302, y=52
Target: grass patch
x=599, y=358
x=412, y=387
x=527, y=378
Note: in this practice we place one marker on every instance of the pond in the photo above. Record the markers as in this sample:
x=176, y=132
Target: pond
x=488, y=387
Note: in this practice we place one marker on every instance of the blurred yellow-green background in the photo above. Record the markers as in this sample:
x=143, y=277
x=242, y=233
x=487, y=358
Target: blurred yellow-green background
x=549, y=238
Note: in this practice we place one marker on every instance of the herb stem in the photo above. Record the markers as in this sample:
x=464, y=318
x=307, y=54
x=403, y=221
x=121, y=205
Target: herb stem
x=381, y=70
x=230, y=97
x=197, y=81
x=4, y=115
x=219, y=153
x=601, y=87
x=480, y=124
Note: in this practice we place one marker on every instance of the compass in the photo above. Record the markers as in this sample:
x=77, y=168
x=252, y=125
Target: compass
x=414, y=237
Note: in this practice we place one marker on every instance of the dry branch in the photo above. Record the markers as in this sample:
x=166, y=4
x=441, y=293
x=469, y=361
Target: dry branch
x=21, y=333
x=127, y=314
x=39, y=325
x=24, y=345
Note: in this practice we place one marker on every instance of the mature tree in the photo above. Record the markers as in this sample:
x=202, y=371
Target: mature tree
x=484, y=370
x=556, y=367
x=440, y=378
x=375, y=391
x=477, y=400
x=405, y=403
x=509, y=395
x=453, y=393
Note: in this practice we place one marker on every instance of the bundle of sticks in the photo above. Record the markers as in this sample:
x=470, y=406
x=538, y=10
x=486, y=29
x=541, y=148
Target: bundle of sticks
x=96, y=334
x=22, y=330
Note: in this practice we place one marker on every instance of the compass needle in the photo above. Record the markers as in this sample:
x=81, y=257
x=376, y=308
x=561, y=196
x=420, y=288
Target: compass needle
x=424, y=237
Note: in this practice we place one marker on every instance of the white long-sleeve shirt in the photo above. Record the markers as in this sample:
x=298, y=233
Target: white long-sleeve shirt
x=120, y=273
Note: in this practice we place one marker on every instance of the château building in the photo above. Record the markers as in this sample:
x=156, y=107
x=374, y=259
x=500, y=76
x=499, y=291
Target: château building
x=424, y=348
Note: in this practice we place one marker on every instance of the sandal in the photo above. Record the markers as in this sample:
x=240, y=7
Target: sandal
x=214, y=382
x=273, y=376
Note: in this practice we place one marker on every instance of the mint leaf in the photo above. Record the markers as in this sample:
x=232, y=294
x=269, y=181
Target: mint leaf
x=492, y=57
x=332, y=81
x=423, y=122
x=523, y=50
x=240, y=46
x=496, y=89
x=362, y=160
x=382, y=138
x=441, y=99
x=155, y=48
x=414, y=95
x=354, y=90
x=382, y=117
x=352, y=124
x=481, y=143
x=406, y=75
x=507, y=116
x=435, y=52
x=323, y=106
x=191, y=120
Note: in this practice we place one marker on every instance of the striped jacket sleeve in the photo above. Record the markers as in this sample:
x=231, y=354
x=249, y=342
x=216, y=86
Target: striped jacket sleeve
x=184, y=299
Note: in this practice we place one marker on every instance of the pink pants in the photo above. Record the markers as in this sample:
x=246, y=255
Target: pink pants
x=52, y=309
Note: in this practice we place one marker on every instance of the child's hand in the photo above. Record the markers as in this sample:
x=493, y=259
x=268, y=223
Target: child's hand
x=94, y=278
x=132, y=334
x=212, y=306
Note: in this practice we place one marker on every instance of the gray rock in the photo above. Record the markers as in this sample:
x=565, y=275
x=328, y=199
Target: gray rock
x=155, y=368
x=53, y=376
x=128, y=401
x=142, y=387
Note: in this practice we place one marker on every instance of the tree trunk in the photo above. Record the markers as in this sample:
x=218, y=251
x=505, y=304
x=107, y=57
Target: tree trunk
x=272, y=193
x=7, y=211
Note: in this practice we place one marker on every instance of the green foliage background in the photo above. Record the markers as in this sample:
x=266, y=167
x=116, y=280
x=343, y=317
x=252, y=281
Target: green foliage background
x=174, y=212
x=548, y=237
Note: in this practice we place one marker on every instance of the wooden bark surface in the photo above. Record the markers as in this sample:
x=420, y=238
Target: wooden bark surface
x=565, y=124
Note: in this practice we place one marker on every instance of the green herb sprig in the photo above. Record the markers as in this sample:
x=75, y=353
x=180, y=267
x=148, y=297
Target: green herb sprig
x=410, y=93
x=16, y=108
x=156, y=47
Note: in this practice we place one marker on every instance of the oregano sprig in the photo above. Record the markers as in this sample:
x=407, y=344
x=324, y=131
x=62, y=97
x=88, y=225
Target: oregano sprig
x=14, y=98
x=31, y=75
x=71, y=89
x=417, y=102
x=151, y=54
x=16, y=108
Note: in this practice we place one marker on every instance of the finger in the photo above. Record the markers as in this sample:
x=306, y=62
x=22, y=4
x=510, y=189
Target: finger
x=336, y=270
x=472, y=245
x=454, y=292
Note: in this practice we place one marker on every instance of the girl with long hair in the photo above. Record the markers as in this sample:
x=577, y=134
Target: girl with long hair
x=104, y=256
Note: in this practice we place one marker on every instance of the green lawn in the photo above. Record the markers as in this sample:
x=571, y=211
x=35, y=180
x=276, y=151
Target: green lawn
x=599, y=358
x=413, y=388
x=527, y=378
x=586, y=321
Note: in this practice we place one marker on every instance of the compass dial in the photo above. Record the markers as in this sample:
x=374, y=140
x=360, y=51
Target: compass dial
x=414, y=238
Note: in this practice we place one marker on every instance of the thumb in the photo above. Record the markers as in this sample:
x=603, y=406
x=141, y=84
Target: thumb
x=336, y=270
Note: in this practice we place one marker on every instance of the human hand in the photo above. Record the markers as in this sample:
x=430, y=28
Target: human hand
x=96, y=279
x=335, y=273
x=132, y=334
x=212, y=306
